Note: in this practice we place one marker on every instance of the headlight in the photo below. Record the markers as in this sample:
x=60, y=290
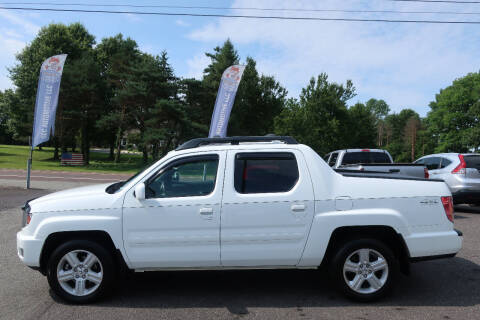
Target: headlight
x=29, y=218
x=27, y=215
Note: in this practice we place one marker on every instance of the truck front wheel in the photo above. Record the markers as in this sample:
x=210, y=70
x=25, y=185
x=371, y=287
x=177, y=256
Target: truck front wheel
x=80, y=271
x=364, y=269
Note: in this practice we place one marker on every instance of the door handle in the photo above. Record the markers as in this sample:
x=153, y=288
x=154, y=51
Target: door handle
x=206, y=211
x=297, y=207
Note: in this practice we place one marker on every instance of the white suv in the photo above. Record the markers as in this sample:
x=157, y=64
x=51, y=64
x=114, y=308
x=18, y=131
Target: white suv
x=236, y=203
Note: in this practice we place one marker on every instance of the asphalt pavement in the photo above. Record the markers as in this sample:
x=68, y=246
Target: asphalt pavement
x=440, y=289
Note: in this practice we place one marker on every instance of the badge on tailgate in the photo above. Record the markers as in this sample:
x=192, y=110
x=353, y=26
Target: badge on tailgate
x=428, y=202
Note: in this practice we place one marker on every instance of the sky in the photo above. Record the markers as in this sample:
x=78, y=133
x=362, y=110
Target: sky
x=404, y=64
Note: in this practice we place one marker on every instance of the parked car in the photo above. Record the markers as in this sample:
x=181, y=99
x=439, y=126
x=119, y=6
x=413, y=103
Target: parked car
x=238, y=203
x=460, y=171
x=376, y=162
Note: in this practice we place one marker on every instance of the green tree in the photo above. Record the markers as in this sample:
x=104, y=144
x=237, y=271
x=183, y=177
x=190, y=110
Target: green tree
x=10, y=121
x=118, y=58
x=82, y=100
x=53, y=39
x=221, y=58
x=259, y=100
x=454, y=117
x=412, y=128
x=158, y=83
x=362, y=127
x=196, y=99
x=379, y=108
x=320, y=118
x=400, y=136
x=5, y=136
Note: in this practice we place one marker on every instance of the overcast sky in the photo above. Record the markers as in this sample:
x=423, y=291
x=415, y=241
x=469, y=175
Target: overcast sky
x=404, y=64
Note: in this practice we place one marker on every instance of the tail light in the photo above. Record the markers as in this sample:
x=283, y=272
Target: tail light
x=425, y=172
x=448, y=206
x=462, y=167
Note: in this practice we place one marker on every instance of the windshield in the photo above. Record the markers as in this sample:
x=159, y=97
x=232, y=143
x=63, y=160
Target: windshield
x=365, y=157
x=117, y=186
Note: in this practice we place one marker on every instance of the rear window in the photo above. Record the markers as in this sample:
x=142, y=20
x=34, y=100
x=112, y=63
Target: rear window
x=445, y=163
x=472, y=161
x=365, y=157
x=432, y=163
x=380, y=157
x=265, y=172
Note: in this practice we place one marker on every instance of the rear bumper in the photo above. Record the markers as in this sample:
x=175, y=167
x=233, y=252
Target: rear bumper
x=466, y=196
x=434, y=245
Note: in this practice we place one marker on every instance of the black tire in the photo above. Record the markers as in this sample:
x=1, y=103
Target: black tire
x=107, y=265
x=340, y=280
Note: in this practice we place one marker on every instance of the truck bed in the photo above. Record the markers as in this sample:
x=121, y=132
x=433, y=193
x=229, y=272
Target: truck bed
x=401, y=169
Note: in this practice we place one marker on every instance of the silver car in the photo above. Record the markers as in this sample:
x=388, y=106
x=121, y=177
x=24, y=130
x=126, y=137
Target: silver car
x=460, y=171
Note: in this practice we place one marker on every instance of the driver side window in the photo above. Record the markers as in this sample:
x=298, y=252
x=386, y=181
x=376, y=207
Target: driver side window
x=185, y=178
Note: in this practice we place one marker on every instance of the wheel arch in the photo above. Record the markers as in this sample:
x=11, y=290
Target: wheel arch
x=99, y=236
x=383, y=233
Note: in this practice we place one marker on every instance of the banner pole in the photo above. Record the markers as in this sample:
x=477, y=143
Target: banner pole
x=29, y=162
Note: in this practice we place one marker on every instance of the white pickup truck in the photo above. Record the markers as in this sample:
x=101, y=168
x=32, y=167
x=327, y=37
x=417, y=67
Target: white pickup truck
x=236, y=203
x=375, y=162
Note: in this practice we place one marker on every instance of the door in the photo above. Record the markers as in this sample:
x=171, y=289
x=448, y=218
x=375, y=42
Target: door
x=267, y=208
x=178, y=224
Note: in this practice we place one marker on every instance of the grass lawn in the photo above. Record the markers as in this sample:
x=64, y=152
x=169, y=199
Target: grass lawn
x=15, y=157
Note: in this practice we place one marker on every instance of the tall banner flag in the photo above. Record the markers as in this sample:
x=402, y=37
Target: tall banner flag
x=225, y=97
x=47, y=98
x=46, y=104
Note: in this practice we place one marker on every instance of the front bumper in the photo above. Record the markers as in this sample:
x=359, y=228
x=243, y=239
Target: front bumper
x=29, y=249
x=466, y=196
x=429, y=245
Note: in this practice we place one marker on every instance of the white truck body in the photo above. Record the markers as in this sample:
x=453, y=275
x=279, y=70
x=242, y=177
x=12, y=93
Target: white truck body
x=228, y=229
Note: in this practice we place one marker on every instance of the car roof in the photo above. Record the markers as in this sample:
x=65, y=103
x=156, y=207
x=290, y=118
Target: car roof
x=449, y=154
x=360, y=150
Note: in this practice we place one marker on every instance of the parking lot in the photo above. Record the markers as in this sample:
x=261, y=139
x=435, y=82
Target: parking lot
x=440, y=289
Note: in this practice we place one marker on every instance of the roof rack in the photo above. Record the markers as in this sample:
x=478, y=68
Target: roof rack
x=194, y=143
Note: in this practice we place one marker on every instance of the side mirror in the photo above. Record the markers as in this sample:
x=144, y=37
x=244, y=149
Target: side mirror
x=140, y=191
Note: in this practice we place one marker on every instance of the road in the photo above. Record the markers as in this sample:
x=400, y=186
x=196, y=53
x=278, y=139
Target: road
x=441, y=289
x=57, y=180
x=47, y=175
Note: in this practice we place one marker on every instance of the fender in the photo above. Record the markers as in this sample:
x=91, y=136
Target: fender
x=107, y=220
x=325, y=223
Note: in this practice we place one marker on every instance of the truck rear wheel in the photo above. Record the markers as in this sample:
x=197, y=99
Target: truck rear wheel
x=364, y=269
x=80, y=271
